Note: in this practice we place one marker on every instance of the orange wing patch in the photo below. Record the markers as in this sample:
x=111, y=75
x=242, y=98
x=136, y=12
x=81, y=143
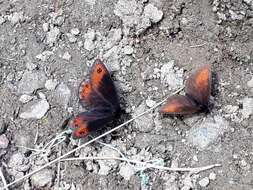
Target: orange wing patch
x=202, y=78
x=85, y=91
x=98, y=72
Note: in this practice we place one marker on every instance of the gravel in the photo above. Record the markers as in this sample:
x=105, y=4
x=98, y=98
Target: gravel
x=43, y=178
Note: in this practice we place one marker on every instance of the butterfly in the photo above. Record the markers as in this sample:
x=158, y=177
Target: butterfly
x=99, y=95
x=197, y=94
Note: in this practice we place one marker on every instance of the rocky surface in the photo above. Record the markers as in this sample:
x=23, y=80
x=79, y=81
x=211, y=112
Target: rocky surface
x=151, y=47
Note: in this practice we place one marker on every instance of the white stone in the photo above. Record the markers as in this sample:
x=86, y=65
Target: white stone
x=44, y=55
x=36, y=110
x=25, y=98
x=150, y=103
x=71, y=37
x=66, y=56
x=75, y=31
x=204, y=182
x=45, y=27
x=128, y=50
x=207, y=132
x=90, y=37
x=250, y=83
x=53, y=35
x=247, y=107
x=42, y=178
x=2, y=20
x=151, y=12
x=243, y=163
x=171, y=77
x=30, y=66
x=62, y=94
x=16, y=17
x=126, y=171
x=212, y=176
x=3, y=141
x=51, y=84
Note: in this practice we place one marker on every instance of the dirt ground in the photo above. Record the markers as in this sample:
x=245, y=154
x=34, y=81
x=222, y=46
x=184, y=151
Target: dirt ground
x=151, y=47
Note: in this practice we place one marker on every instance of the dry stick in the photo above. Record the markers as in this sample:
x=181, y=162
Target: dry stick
x=59, y=170
x=89, y=142
x=199, y=45
x=3, y=179
x=175, y=169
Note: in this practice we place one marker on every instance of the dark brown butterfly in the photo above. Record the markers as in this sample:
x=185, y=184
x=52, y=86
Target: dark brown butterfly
x=197, y=94
x=99, y=94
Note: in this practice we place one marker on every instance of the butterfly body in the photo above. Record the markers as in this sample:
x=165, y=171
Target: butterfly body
x=99, y=95
x=196, y=98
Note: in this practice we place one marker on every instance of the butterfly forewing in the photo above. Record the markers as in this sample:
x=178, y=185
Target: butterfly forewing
x=179, y=105
x=198, y=85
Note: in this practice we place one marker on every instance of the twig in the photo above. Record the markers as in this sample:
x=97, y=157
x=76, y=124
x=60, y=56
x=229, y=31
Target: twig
x=59, y=170
x=91, y=141
x=147, y=165
x=3, y=179
x=199, y=45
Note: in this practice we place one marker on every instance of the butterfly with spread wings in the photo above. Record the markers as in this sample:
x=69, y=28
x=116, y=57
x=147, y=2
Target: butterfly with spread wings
x=100, y=96
x=197, y=94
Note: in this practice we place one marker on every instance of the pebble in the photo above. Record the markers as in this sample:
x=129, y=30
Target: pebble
x=204, y=182
x=31, y=81
x=151, y=12
x=243, y=163
x=107, y=165
x=75, y=31
x=25, y=98
x=43, y=178
x=150, y=103
x=207, y=132
x=18, y=164
x=62, y=94
x=250, y=83
x=66, y=56
x=30, y=66
x=247, y=107
x=212, y=176
x=36, y=110
x=16, y=17
x=171, y=77
x=2, y=20
x=3, y=141
x=126, y=171
x=52, y=35
x=128, y=50
x=44, y=55
x=90, y=37
x=145, y=123
x=71, y=37
x=45, y=27
x=51, y=84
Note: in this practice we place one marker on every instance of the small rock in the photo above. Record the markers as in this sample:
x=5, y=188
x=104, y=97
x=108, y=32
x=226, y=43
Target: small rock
x=187, y=183
x=3, y=141
x=112, y=57
x=107, y=165
x=45, y=27
x=16, y=17
x=126, y=171
x=66, y=56
x=25, y=98
x=71, y=37
x=207, y=132
x=212, y=176
x=90, y=37
x=171, y=77
x=250, y=83
x=18, y=164
x=243, y=163
x=62, y=94
x=24, y=139
x=150, y=103
x=43, y=178
x=2, y=20
x=30, y=66
x=36, y=110
x=114, y=36
x=44, y=55
x=247, y=107
x=52, y=35
x=144, y=123
x=51, y=84
x=204, y=182
x=195, y=158
x=31, y=81
x=128, y=50
x=75, y=31
x=151, y=12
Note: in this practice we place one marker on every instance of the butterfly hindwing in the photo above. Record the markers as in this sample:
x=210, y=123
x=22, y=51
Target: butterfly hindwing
x=86, y=122
x=198, y=85
x=179, y=104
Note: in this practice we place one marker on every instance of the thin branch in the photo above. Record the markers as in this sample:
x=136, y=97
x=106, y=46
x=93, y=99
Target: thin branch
x=147, y=165
x=91, y=141
x=3, y=179
x=59, y=170
x=199, y=45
